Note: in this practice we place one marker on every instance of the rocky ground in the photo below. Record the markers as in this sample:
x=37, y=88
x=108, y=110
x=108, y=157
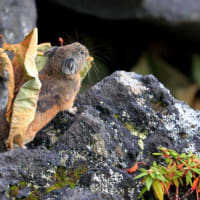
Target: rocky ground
x=120, y=120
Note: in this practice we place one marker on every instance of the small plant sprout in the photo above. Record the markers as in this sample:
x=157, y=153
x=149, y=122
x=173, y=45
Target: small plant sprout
x=179, y=171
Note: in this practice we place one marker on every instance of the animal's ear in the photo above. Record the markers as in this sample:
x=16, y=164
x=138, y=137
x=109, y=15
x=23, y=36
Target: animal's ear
x=50, y=51
x=69, y=66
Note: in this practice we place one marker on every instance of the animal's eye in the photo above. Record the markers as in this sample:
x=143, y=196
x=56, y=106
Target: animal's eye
x=82, y=52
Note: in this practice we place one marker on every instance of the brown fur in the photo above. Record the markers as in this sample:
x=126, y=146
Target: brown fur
x=58, y=90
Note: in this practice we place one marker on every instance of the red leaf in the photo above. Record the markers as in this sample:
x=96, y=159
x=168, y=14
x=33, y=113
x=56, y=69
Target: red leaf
x=180, y=166
x=195, y=183
x=132, y=169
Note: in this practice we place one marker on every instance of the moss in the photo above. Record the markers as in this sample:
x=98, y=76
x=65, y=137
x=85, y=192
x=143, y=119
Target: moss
x=22, y=185
x=65, y=177
x=33, y=196
x=116, y=116
x=130, y=126
x=142, y=135
x=134, y=131
x=13, y=191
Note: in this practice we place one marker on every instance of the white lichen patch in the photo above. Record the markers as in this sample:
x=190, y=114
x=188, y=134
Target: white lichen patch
x=63, y=158
x=135, y=86
x=52, y=133
x=99, y=145
x=131, y=192
x=119, y=151
x=185, y=120
x=188, y=119
x=141, y=144
x=191, y=148
x=107, y=183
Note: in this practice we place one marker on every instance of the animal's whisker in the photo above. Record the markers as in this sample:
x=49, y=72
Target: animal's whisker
x=101, y=58
x=96, y=71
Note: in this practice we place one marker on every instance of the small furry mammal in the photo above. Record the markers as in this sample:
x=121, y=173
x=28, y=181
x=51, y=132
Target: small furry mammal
x=61, y=82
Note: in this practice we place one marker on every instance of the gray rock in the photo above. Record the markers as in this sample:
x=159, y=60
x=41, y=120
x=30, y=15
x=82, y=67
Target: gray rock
x=78, y=194
x=3, y=101
x=173, y=11
x=176, y=16
x=120, y=120
x=3, y=91
x=17, y=18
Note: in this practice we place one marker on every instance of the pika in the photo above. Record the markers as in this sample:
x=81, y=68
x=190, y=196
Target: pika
x=61, y=82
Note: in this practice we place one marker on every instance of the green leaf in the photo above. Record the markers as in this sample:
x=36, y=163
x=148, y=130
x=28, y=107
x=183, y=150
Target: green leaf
x=180, y=180
x=85, y=69
x=143, y=170
x=153, y=175
x=141, y=175
x=176, y=182
x=183, y=155
x=144, y=189
x=41, y=59
x=190, y=173
x=188, y=179
x=161, y=177
x=167, y=160
x=148, y=182
x=196, y=170
x=158, y=190
x=157, y=154
x=162, y=170
x=154, y=164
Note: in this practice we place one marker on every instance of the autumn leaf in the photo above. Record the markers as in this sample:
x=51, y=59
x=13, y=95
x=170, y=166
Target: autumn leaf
x=24, y=106
x=41, y=59
x=132, y=169
x=19, y=51
x=195, y=183
x=18, y=60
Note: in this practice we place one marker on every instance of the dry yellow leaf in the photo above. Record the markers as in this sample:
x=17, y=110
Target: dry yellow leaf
x=19, y=51
x=24, y=106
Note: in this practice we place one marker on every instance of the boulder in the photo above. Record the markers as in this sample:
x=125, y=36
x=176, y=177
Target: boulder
x=172, y=11
x=17, y=19
x=121, y=120
x=180, y=17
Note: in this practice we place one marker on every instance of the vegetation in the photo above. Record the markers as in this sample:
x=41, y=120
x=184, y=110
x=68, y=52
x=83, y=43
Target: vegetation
x=178, y=171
